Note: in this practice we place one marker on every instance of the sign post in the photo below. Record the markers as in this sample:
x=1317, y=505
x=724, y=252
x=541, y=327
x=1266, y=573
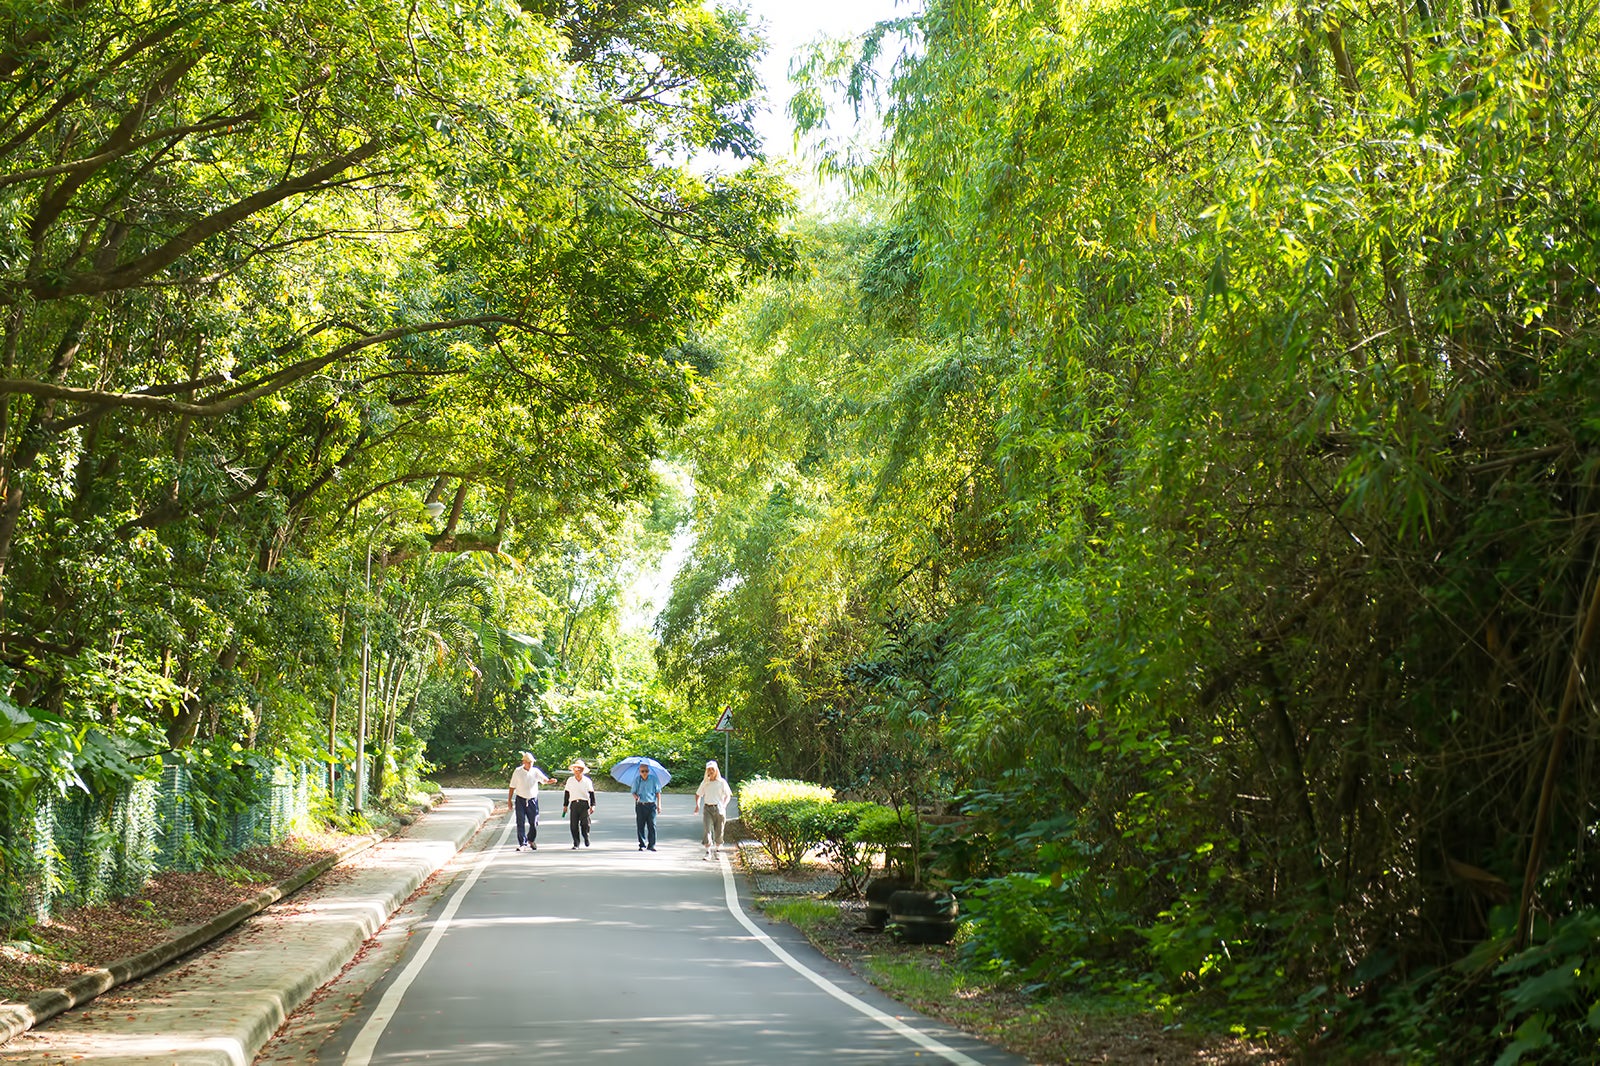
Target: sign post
x=725, y=727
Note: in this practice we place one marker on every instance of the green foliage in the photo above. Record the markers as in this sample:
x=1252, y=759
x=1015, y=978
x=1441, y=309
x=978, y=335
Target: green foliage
x=880, y=828
x=72, y=846
x=1190, y=455
x=887, y=832
x=554, y=670
x=594, y=726
x=837, y=826
x=311, y=271
x=1552, y=1003
x=679, y=736
x=1185, y=463
x=790, y=818
x=409, y=765
x=16, y=724
x=1013, y=926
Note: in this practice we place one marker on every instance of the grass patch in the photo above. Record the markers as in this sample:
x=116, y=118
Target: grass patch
x=806, y=915
x=914, y=979
x=1071, y=1027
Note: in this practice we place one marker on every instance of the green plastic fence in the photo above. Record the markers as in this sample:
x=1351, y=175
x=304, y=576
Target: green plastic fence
x=85, y=849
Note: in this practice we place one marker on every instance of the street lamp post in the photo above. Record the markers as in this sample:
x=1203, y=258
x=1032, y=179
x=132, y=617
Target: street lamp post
x=361, y=703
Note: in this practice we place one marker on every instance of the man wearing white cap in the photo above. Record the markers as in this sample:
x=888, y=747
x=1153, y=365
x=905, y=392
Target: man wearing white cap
x=711, y=802
x=523, y=798
x=579, y=799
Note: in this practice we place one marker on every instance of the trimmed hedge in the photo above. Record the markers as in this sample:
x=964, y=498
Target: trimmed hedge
x=851, y=856
x=788, y=817
x=793, y=818
x=881, y=831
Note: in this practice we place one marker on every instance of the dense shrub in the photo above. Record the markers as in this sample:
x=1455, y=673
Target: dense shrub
x=837, y=823
x=1011, y=929
x=884, y=831
x=786, y=816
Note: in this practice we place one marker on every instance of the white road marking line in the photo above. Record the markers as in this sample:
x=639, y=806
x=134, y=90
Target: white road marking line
x=366, y=1041
x=916, y=1036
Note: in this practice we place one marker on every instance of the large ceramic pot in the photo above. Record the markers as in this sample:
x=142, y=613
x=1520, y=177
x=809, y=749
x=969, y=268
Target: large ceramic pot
x=877, y=894
x=924, y=916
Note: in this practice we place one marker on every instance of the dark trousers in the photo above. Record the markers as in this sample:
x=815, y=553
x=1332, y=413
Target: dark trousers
x=527, y=815
x=644, y=814
x=578, y=818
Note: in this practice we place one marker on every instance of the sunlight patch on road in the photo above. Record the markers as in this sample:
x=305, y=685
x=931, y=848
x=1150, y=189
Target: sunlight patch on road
x=366, y=1041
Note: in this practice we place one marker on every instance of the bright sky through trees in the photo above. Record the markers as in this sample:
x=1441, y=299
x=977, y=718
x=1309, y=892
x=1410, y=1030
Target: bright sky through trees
x=789, y=27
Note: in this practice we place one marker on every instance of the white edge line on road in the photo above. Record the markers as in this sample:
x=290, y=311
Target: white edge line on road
x=888, y=1021
x=366, y=1041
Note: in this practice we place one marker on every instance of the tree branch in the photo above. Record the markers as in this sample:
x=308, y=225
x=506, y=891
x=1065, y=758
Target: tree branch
x=235, y=398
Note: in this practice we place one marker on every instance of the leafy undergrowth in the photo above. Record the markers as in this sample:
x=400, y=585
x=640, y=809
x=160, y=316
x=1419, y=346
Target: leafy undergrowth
x=1040, y=1029
x=53, y=953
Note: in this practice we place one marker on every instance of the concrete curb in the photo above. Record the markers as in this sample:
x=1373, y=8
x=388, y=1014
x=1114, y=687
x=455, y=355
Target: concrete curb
x=16, y=1019
x=266, y=993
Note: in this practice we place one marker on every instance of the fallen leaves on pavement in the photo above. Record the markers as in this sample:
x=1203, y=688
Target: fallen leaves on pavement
x=53, y=953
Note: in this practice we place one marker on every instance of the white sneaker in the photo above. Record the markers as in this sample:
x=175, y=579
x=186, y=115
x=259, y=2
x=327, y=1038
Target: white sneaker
x=708, y=855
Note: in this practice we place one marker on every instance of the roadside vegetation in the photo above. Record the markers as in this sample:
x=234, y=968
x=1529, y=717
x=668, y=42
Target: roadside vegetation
x=1162, y=489
x=1175, y=476
x=1023, y=1017
x=338, y=345
x=88, y=937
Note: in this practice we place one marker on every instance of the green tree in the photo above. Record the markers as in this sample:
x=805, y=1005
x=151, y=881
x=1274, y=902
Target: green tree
x=1245, y=479
x=268, y=280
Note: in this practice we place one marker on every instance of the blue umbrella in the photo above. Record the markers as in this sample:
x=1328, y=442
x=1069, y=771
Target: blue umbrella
x=627, y=771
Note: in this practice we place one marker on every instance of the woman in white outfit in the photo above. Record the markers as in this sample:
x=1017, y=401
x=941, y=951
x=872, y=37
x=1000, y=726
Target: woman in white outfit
x=711, y=803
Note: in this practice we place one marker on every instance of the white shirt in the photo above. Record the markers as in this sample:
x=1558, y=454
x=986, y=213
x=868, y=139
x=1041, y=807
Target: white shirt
x=525, y=781
x=580, y=790
x=714, y=793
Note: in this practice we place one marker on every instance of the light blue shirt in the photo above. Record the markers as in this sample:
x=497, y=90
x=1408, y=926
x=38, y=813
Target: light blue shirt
x=646, y=789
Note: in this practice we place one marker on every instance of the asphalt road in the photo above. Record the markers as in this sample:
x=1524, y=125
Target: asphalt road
x=608, y=954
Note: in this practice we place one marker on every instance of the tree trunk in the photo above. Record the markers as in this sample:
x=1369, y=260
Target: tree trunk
x=186, y=724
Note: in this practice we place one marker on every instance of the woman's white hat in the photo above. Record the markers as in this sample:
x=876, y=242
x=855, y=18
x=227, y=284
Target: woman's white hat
x=712, y=765
x=577, y=763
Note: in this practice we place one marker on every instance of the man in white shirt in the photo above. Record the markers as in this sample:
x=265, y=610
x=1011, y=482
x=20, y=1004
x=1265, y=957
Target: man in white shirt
x=579, y=797
x=523, y=798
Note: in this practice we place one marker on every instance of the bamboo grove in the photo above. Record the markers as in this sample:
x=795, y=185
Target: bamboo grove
x=1185, y=464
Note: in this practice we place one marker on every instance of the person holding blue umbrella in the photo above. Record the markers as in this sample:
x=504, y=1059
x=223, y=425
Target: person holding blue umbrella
x=646, y=805
x=645, y=778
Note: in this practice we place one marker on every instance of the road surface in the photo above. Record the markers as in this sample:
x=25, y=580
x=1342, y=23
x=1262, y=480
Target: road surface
x=605, y=954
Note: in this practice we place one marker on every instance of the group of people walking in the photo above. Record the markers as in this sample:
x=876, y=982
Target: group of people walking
x=711, y=800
